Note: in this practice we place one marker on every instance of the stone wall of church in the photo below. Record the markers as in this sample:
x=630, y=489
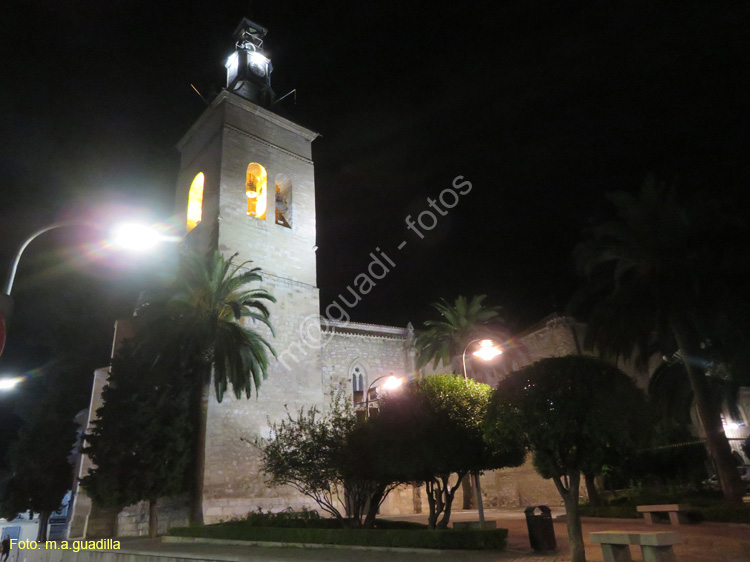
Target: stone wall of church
x=378, y=355
x=133, y=520
x=249, y=136
x=229, y=136
x=234, y=484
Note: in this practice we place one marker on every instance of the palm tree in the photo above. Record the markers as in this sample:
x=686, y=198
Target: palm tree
x=444, y=340
x=197, y=323
x=657, y=268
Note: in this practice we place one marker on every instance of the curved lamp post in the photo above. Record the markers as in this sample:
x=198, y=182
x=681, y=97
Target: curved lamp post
x=487, y=351
x=131, y=236
x=392, y=383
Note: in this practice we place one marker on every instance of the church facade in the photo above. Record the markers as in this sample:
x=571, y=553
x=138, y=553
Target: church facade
x=246, y=186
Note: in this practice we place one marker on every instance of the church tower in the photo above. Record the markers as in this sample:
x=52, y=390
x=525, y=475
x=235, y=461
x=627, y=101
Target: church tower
x=246, y=186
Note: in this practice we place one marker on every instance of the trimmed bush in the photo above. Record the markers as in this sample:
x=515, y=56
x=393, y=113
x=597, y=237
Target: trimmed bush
x=403, y=525
x=725, y=513
x=488, y=539
x=311, y=520
x=707, y=505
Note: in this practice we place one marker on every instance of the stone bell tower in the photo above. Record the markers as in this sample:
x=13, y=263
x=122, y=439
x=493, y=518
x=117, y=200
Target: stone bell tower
x=246, y=186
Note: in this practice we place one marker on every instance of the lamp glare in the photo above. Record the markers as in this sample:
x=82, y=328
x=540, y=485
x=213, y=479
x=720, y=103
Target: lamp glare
x=9, y=383
x=392, y=382
x=138, y=237
x=487, y=350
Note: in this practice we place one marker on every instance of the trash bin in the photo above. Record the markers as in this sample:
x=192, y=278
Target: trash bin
x=541, y=531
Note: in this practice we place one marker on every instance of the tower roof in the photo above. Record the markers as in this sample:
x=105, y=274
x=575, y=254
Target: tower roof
x=250, y=31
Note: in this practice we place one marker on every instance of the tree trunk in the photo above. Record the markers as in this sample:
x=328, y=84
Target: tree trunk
x=572, y=517
x=468, y=491
x=435, y=501
x=448, y=493
x=153, y=519
x=196, y=500
x=592, y=490
x=432, y=515
x=41, y=533
x=374, y=505
x=710, y=417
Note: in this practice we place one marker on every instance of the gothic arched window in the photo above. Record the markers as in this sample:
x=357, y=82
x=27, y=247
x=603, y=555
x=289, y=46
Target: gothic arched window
x=195, y=202
x=256, y=189
x=359, y=383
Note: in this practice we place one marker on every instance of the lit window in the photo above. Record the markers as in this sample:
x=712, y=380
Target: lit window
x=195, y=202
x=257, y=191
x=283, y=201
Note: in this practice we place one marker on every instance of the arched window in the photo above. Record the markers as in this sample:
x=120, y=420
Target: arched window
x=256, y=188
x=359, y=383
x=195, y=202
x=283, y=201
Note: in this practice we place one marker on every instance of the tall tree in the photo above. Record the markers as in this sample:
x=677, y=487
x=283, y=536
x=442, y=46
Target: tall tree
x=199, y=323
x=38, y=464
x=658, y=266
x=327, y=456
x=141, y=440
x=444, y=340
x=431, y=432
x=573, y=413
x=41, y=472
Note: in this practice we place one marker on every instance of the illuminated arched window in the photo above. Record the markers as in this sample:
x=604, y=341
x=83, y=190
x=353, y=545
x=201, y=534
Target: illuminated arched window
x=256, y=188
x=195, y=202
x=283, y=201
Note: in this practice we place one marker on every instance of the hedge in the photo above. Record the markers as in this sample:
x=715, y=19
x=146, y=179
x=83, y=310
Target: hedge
x=717, y=513
x=487, y=539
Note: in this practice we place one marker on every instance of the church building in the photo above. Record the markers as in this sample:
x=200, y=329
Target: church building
x=246, y=185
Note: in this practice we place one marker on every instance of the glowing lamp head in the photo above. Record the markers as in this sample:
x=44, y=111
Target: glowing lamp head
x=487, y=350
x=9, y=383
x=392, y=383
x=137, y=237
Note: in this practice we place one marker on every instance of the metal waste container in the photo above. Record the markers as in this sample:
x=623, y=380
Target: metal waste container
x=541, y=531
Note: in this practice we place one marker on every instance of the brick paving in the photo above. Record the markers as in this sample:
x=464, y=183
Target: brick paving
x=705, y=542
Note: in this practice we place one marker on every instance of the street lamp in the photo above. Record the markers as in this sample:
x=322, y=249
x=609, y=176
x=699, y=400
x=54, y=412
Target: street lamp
x=9, y=383
x=487, y=351
x=130, y=236
x=392, y=383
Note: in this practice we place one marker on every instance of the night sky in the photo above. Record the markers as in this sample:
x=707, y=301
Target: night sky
x=542, y=106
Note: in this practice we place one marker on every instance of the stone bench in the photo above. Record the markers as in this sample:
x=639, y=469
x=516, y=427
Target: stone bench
x=675, y=513
x=655, y=547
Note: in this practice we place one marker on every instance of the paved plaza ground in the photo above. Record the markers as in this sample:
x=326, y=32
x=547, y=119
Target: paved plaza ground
x=704, y=542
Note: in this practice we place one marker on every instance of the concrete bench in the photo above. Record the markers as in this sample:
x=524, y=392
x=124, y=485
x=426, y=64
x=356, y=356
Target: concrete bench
x=675, y=513
x=655, y=547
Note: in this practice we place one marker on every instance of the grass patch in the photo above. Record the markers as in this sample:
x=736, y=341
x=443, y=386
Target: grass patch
x=488, y=539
